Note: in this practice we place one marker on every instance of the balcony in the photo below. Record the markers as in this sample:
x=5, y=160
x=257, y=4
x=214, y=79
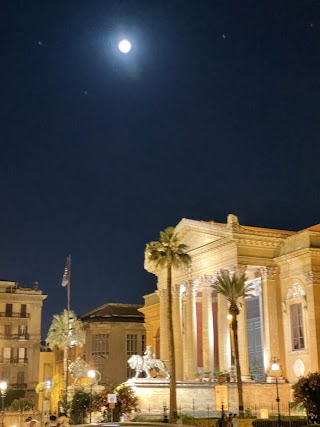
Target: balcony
x=16, y=315
x=20, y=337
x=14, y=360
x=18, y=385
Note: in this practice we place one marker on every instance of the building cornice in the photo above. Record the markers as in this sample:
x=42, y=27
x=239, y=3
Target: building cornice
x=298, y=253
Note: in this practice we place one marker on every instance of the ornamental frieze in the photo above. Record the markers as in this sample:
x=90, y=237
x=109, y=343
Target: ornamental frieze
x=262, y=243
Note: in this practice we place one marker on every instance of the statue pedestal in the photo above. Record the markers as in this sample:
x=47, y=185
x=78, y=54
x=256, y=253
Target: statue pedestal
x=96, y=388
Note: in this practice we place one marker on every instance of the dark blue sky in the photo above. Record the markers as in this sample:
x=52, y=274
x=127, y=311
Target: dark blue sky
x=215, y=110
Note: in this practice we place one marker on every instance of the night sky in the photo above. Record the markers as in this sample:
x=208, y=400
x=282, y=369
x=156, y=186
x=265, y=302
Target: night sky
x=215, y=110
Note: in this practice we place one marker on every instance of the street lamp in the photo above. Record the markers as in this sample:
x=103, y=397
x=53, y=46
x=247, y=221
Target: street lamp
x=3, y=393
x=275, y=367
x=92, y=376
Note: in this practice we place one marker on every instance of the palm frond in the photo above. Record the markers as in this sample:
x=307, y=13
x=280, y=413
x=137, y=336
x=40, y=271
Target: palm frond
x=168, y=251
x=65, y=330
x=232, y=286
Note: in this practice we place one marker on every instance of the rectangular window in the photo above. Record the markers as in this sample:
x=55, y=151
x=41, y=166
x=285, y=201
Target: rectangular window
x=13, y=355
x=22, y=355
x=6, y=354
x=22, y=332
x=297, y=333
x=23, y=310
x=8, y=310
x=132, y=348
x=20, y=378
x=132, y=344
x=59, y=356
x=100, y=344
x=5, y=374
x=143, y=343
x=7, y=331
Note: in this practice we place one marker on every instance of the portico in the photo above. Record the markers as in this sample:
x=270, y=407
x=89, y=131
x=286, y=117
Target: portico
x=275, y=261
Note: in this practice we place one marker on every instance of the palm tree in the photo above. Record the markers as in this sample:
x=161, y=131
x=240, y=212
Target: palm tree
x=167, y=254
x=234, y=287
x=65, y=331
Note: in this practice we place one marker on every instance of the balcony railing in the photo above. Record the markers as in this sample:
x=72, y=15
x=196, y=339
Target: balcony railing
x=14, y=360
x=10, y=314
x=19, y=385
x=21, y=337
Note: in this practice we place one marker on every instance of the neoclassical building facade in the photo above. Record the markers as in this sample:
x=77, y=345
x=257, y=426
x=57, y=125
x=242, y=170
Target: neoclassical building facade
x=280, y=319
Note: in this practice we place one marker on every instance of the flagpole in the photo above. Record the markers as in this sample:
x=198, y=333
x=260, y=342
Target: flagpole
x=66, y=279
x=68, y=287
x=68, y=308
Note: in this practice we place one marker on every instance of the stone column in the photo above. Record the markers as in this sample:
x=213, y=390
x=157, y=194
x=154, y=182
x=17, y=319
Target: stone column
x=164, y=324
x=191, y=331
x=223, y=334
x=243, y=333
x=177, y=330
x=271, y=314
x=207, y=329
x=243, y=341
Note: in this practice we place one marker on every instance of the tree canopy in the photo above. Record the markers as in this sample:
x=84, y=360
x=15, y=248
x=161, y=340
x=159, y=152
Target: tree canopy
x=307, y=391
x=66, y=331
x=168, y=250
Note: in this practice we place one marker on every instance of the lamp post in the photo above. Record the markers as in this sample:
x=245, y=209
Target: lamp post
x=92, y=376
x=3, y=393
x=275, y=367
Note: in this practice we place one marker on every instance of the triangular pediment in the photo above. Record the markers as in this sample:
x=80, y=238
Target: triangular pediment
x=196, y=234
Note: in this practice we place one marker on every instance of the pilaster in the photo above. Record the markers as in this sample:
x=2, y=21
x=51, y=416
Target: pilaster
x=313, y=298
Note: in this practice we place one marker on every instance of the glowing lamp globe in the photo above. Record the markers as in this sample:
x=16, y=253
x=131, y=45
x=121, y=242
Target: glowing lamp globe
x=124, y=46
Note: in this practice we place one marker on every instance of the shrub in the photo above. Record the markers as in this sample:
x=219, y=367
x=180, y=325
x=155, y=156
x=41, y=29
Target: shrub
x=307, y=391
x=79, y=406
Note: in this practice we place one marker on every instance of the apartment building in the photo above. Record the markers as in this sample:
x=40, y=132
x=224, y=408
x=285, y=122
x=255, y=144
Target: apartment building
x=20, y=326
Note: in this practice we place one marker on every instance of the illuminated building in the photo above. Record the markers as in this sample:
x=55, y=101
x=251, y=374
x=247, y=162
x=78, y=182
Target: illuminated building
x=281, y=319
x=20, y=325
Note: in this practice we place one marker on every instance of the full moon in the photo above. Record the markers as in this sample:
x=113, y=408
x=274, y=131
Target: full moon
x=124, y=46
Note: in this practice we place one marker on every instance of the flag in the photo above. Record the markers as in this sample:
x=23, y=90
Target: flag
x=67, y=273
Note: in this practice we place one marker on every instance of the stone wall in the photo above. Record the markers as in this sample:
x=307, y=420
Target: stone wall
x=199, y=399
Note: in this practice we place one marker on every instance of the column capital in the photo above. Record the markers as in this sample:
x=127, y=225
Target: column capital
x=269, y=272
x=312, y=277
x=192, y=286
x=208, y=279
x=163, y=292
x=241, y=269
x=176, y=290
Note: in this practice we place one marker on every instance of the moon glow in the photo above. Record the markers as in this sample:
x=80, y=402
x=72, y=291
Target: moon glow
x=124, y=46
